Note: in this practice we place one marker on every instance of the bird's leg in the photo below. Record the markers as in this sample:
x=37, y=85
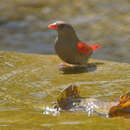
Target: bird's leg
x=71, y=65
x=62, y=65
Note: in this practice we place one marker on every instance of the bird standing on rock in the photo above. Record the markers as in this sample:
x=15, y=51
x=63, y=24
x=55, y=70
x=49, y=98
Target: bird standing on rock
x=68, y=46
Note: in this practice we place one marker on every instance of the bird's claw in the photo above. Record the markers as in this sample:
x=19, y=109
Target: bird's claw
x=62, y=66
x=65, y=66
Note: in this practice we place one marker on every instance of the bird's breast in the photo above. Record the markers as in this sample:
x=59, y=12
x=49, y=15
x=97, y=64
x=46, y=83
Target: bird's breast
x=68, y=52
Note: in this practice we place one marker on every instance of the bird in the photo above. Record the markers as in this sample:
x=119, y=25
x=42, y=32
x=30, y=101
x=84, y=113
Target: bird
x=69, y=47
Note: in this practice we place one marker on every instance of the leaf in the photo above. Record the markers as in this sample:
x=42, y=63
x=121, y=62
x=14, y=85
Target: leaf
x=123, y=108
x=65, y=99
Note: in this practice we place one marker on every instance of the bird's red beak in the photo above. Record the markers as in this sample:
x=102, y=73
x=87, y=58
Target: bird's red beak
x=53, y=26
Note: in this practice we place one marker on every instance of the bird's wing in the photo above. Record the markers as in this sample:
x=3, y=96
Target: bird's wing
x=84, y=48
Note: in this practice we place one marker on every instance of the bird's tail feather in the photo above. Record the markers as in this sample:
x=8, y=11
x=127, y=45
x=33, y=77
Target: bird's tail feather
x=95, y=47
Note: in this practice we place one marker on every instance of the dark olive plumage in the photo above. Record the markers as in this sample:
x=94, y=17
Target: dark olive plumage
x=66, y=44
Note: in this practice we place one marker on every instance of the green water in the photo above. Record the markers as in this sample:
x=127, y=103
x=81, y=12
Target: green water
x=29, y=83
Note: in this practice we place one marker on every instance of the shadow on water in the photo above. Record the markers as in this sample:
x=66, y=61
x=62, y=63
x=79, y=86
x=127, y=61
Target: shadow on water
x=76, y=69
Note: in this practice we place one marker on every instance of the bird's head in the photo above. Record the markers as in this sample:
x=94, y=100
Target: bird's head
x=62, y=27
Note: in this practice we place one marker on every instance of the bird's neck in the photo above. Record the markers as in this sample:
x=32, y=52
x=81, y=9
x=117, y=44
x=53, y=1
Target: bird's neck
x=68, y=37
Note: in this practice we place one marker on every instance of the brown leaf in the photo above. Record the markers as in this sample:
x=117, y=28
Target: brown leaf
x=66, y=98
x=123, y=108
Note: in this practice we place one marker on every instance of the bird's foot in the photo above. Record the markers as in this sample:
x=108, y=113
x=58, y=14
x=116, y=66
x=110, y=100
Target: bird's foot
x=80, y=66
x=64, y=65
x=70, y=67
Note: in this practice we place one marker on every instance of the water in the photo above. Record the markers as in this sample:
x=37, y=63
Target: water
x=30, y=83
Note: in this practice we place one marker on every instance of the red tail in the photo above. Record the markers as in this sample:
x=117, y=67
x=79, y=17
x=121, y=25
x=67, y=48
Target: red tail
x=95, y=47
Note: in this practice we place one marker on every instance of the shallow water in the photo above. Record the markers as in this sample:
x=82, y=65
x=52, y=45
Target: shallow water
x=30, y=83
x=27, y=85
x=23, y=25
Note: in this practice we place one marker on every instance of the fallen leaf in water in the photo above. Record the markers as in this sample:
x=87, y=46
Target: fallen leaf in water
x=70, y=99
x=65, y=98
x=123, y=108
